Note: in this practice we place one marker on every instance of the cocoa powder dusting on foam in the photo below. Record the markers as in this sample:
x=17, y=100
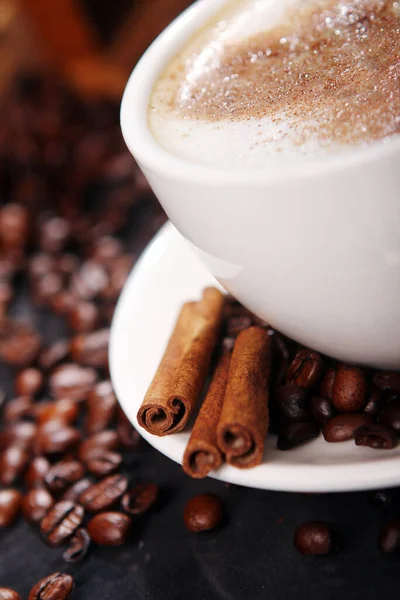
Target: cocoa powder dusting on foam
x=330, y=71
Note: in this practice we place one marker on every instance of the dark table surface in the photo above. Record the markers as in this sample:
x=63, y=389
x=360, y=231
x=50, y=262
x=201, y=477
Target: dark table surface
x=251, y=556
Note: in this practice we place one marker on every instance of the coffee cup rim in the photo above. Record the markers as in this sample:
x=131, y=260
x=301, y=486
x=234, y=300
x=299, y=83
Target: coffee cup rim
x=153, y=157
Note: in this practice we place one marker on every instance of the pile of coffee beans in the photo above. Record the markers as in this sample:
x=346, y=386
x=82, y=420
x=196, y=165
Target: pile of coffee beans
x=69, y=193
x=343, y=401
x=54, y=587
x=312, y=393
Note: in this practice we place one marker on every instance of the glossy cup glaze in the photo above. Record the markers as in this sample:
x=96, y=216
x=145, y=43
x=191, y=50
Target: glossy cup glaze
x=313, y=249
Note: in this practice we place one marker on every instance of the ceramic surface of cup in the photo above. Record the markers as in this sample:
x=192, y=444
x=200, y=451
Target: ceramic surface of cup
x=313, y=249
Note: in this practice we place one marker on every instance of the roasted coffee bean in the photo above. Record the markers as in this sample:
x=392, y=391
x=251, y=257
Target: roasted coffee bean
x=13, y=462
x=72, y=381
x=17, y=408
x=104, y=440
x=14, y=226
x=63, y=474
x=105, y=249
x=63, y=301
x=295, y=434
x=59, y=440
x=109, y=528
x=389, y=382
x=40, y=265
x=66, y=411
x=313, y=538
x=29, y=382
x=8, y=594
x=47, y=287
x=19, y=343
x=341, y=428
x=349, y=388
x=57, y=586
x=10, y=506
x=375, y=436
x=380, y=498
x=83, y=317
x=36, y=472
x=128, y=436
x=90, y=280
x=49, y=427
x=390, y=415
x=36, y=504
x=91, y=349
x=61, y=522
x=123, y=262
x=54, y=354
x=321, y=410
x=375, y=401
x=140, y=499
x=103, y=462
x=78, y=547
x=389, y=538
x=305, y=369
x=74, y=492
x=203, y=513
x=53, y=235
x=325, y=389
x=101, y=406
x=18, y=434
x=105, y=493
x=290, y=403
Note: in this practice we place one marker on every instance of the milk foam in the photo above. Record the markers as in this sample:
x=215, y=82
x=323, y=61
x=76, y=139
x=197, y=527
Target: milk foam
x=226, y=125
x=245, y=144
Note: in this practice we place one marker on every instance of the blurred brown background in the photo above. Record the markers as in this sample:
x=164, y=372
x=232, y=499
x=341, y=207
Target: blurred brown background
x=93, y=43
x=64, y=165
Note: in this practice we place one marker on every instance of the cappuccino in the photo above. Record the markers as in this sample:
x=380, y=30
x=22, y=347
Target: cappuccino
x=282, y=80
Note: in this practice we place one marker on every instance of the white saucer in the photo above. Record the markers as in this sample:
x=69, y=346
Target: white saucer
x=167, y=275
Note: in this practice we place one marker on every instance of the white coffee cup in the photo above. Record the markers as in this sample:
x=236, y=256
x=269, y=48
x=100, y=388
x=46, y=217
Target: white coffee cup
x=314, y=249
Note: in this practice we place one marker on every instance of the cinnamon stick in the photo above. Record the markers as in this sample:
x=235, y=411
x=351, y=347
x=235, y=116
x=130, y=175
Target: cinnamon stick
x=183, y=370
x=243, y=423
x=202, y=454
